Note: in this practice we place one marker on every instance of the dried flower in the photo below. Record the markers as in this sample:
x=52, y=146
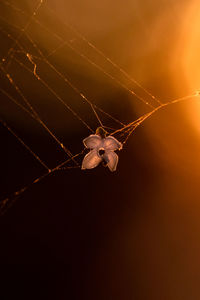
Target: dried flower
x=102, y=149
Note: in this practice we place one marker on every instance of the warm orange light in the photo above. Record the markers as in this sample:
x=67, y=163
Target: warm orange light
x=191, y=57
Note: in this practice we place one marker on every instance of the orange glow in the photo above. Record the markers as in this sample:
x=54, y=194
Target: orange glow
x=191, y=57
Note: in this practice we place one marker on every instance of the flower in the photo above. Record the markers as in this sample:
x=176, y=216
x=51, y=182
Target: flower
x=101, y=150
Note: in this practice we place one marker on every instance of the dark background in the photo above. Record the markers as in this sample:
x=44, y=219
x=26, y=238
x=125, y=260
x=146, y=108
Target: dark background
x=132, y=234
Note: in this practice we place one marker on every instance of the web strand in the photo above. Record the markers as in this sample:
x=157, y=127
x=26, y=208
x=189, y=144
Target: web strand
x=66, y=80
x=140, y=120
x=131, y=127
x=97, y=66
x=30, y=58
x=35, y=113
x=7, y=202
x=125, y=129
x=22, y=31
x=93, y=106
x=81, y=36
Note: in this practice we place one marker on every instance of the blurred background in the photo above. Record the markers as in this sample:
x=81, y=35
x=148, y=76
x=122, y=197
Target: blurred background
x=132, y=234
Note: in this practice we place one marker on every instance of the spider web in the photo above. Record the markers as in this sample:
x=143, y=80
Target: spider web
x=26, y=62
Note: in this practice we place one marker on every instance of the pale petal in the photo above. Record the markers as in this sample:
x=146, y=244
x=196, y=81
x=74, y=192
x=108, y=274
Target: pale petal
x=111, y=143
x=111, y=159
x=93, y=141
x=91, y=160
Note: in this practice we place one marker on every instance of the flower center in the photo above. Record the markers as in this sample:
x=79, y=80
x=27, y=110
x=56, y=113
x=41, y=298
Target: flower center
x=101, y=152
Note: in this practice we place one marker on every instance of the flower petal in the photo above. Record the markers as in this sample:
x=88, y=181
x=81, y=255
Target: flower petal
x=112, y=160
x=92, y=141
x=91, y=160
x=111, y=143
